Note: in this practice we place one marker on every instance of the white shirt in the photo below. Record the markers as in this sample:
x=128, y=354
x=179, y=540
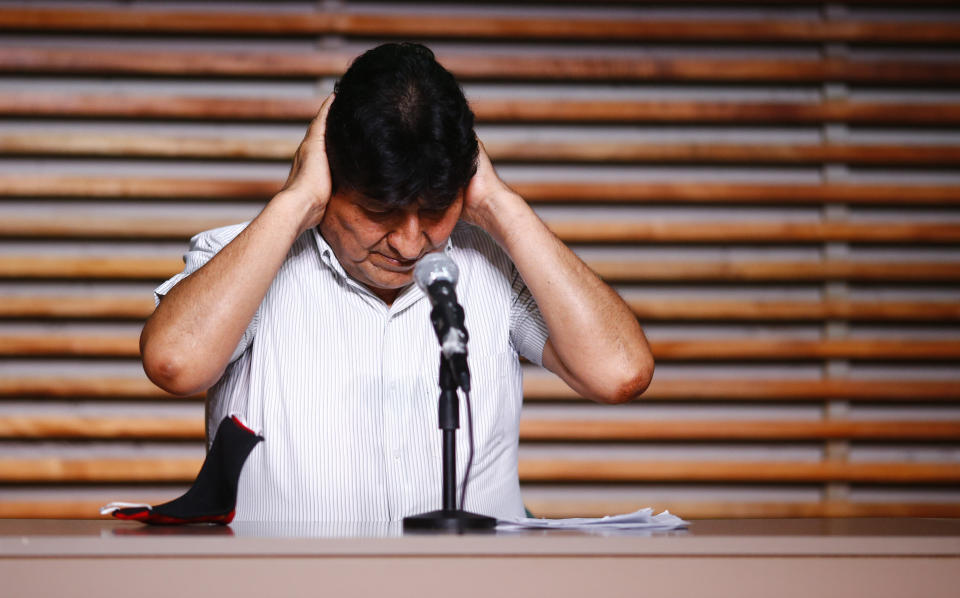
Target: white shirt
x=344, y=387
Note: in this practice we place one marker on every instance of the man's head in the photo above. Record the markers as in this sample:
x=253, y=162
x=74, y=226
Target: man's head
x=401, y=147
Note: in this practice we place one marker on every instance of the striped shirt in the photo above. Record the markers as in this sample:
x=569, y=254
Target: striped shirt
x=344, y=387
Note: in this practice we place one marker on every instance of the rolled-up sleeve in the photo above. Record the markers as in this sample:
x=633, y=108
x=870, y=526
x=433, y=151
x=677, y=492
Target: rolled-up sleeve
x=528, y=330
x=203, y=247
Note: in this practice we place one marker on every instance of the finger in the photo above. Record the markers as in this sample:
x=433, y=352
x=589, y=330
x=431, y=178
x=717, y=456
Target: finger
x=318, y=126
x=325, y=107
x=483, y=159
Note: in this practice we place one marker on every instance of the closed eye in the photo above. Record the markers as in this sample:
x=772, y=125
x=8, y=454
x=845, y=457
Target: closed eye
x=377, y=212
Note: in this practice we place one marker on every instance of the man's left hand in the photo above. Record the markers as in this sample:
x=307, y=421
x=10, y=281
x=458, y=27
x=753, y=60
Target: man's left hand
x=484, y=194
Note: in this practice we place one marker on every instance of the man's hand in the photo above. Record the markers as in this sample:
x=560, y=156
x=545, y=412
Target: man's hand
x=309, y=179
x=485, y=191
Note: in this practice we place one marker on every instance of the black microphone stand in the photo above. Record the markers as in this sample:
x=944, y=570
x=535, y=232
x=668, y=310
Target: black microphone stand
x=449, y=518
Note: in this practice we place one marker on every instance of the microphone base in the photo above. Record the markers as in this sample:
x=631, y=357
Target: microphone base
x=456, y=522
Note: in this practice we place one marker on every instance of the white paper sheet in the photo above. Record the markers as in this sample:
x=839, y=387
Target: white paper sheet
x=643, y=519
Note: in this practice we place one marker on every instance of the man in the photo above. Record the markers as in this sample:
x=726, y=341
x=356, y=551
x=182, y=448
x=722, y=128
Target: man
x=306, y=324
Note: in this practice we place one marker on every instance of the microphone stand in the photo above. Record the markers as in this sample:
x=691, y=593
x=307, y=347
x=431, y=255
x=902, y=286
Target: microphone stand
x=449, y=518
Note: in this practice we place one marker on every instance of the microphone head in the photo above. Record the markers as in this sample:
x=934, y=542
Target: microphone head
x=433, y=267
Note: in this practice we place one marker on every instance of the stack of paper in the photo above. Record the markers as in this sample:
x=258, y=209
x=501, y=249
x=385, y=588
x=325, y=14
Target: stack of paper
x=644, y=519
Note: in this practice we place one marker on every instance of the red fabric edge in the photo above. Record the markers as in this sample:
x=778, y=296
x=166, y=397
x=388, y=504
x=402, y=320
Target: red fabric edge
x=237, y=421
x=145, y=516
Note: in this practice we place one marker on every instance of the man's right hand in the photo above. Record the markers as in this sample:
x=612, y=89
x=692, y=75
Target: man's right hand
x=309, y=180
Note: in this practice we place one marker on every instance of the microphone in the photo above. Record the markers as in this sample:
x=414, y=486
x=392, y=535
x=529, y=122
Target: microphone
x=436, y=275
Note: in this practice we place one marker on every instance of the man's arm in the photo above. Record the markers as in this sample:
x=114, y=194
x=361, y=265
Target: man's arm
x=187, y=343
x=595, y=343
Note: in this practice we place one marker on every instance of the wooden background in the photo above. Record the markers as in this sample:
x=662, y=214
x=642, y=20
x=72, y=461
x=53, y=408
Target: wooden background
x=772, y=186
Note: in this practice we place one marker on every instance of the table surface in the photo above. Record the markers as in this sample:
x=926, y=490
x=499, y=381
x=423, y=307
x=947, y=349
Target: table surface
x=759, y=558
x=787, y=537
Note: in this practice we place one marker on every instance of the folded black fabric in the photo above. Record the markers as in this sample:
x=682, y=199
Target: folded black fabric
x=213, y=496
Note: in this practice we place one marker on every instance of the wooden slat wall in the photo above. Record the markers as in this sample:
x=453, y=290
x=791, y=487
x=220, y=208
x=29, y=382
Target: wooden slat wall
x=772, y=186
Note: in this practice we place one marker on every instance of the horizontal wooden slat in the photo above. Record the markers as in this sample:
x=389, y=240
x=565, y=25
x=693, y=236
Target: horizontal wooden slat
x=776, y=390
x=87, y=345
x=478, y=25
x=554, y=508
x=100, y=428
x=53, y=469
x=681, y=309
x=623, y=430
x=68, y=508
x=542, y=388
x=534, y=191
x=122, y=268
x=159, y=268
x=487, y=109
x=76, y=307
x=471, y=66
x=62, y=509
x=116, y=307
x=80, y=226
x=763, y=193
x=684, y=111
x=97, y=345
x=577, y=470
x=775, y=349
x=99, y=387
x=720, y=153
x=537, y=430
x=742, y=271
x=319, y=23
x=165, y=146
x=130, y=187
x=126, y=105
x=162, y=146
x=652, y=231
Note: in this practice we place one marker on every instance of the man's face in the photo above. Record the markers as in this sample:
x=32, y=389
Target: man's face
x=379, y=246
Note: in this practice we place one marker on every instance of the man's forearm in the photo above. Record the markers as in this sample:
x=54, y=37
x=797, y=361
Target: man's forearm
x=595, y=342
x=187, y=342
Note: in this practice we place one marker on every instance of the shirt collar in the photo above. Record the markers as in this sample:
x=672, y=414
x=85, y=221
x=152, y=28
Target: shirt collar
x=329, y=258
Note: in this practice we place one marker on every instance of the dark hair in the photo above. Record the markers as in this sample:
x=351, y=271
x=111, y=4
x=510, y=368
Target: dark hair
x=400, y=129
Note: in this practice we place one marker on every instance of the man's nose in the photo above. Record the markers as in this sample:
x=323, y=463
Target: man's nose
x=407, y=237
